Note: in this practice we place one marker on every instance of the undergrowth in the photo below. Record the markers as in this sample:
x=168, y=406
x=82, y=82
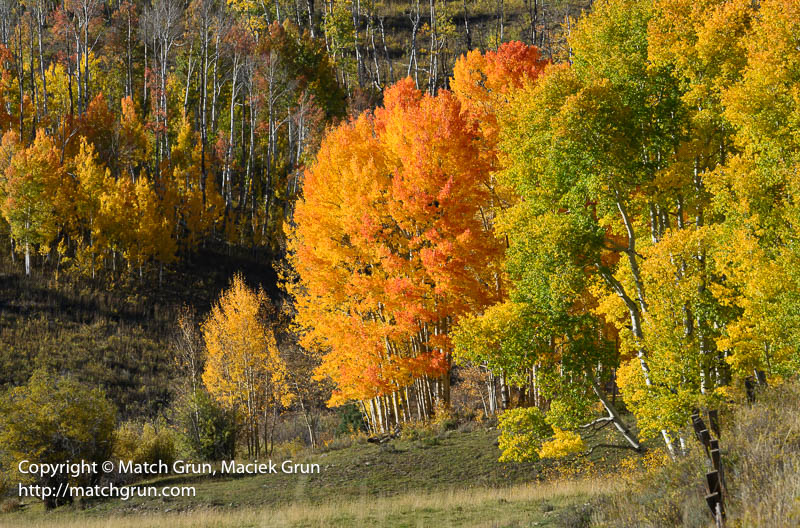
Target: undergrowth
x=760, y=447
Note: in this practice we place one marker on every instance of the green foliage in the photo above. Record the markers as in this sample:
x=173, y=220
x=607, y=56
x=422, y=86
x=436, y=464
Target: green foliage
x=308, y=63
x=54, y=419
x=207, y=431
x=571, y=405
x=350, y=420
x=521, y=434
x=507, y=337
x=151, y=442
x=338, y=26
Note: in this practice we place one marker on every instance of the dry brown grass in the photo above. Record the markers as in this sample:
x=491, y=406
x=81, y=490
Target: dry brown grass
x=467, y=507
x=760, y=447
x=764, y=459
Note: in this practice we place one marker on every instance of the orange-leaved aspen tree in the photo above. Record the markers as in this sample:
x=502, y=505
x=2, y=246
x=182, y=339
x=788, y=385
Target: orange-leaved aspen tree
x=393, y=244
x=244, y=370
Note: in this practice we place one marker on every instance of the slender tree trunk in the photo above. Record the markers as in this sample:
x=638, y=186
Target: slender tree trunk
x=27, y=259
x=129, y=59
x=467, y=34
x=614, y=416
x=504, y=392
x=40, y=21
x=412, y=61
x=214, y=89
x=492, y=387
x=203, y=111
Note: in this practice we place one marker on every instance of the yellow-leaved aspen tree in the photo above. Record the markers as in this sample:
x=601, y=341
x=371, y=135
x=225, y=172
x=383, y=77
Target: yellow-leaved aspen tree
x=244, y=370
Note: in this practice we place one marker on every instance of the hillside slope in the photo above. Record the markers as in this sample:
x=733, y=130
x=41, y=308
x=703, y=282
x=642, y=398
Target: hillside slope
x=116, y=336
x=449, y=479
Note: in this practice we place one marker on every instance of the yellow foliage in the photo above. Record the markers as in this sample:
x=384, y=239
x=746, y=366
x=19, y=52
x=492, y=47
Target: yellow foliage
x=200, y=214
x=521, y=431
x=244, y=369
x=563, y=444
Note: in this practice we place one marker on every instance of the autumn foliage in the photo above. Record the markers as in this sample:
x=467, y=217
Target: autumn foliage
x=615, y=223
x=621, y=221
x=394, y=242
x=244, y=370
x=139, y=132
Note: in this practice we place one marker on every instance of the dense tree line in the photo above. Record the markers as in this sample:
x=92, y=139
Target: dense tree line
x=132, y=133
x=136, y=131
x=616, y=211
x=624, y=219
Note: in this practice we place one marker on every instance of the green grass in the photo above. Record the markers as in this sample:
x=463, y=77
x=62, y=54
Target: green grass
x=548, y=504
x=454, y=480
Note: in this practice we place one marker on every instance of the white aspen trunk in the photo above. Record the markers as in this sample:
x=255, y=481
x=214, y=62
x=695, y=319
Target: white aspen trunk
x=27, y=259
x=86, y=59
x=229, y=154
x=214, y=89
x=422, y=399
x=406, y=407
x=378, y=414
x=396, y=408
x=613, y=415
x=40, y=21
x=389, y=420
x=492, y=387
x=78, y=77
x=446, y=384
x=635, y=308
x=365, y=413
x=188, y=79
x=429, y=397
x=504, y=392
x=144, y=76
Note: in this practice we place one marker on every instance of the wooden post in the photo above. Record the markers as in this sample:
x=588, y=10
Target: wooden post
x=716, y=463
x=713, y=421
x=714, y=479
x=750, y=389
x=715, y=459
x=714, y=501
x=698, y=425
x=705, y=439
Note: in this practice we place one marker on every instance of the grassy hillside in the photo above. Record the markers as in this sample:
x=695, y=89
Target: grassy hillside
x=555, y=504
x=453, y=478
x=760, y=448
x=113, y=335
x=449, y=479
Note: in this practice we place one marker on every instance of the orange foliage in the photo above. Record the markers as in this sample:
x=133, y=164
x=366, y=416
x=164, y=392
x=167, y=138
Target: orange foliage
x=393, y=240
